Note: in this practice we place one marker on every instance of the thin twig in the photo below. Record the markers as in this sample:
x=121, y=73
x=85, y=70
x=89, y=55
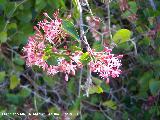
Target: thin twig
x=135, y=47
x=109, y=20
x=109, y=24
x=90, y=11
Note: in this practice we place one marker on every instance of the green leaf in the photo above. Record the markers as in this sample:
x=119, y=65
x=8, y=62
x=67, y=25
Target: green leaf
x=48, y=49
x=9, y=9
x=40, y=4
x=75, y=48
x=121, y=36
x=144, y=83
x=154, y=86
x=2, y=23
x=126, y=14
x=18, y=61
x=111, y=104
x=132, y=10
x=68, y=27
x=62, y=4
x=75, y=11
x=97, y=81
x=54, y=110
x=95, y=89
x=105, y=87
x=133, y=6
x=25, y=92
x=146, y=41
x=52, y=60
x=14, y=81
x=25, y=16
x=12, y=26
x=85, y=58
x=27, y=29
x=54, y=3
x=50, y=80
x=71, y=86
x=3, y=3
x=98, y=46
x=2, y=110
x=14, y=99
x=3, y=37
x=98, y=116
x=2, y=75
x=75, y=108
x=19, y=39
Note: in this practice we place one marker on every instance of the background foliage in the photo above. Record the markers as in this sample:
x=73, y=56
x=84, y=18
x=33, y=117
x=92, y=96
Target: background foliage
x=134, y=95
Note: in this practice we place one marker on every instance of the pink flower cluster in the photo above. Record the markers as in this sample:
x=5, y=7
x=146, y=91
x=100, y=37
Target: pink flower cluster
x=52, y=29
x=47, y=33
x=34, y=51
x=106, y=64
x=35, y=48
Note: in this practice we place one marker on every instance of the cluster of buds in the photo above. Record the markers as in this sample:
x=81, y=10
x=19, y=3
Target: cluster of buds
x=123, y=4
x=50, y=33
x=97, y=29
x=94, y=24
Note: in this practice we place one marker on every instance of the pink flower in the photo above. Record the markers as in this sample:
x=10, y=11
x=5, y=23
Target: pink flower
x=67, y=67
x=76, y=58
x=52, y=70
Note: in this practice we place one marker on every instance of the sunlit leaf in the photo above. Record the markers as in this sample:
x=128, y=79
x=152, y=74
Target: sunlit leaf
x=95, y=89
x=85, y=58
x=121, y=36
